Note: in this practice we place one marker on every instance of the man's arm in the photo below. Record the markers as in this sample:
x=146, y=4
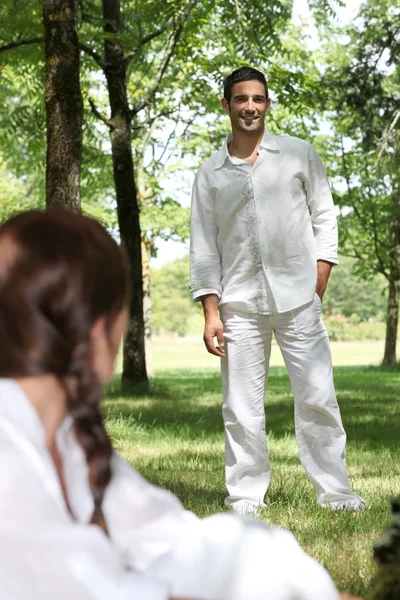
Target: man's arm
x=205, y=262
x=213, y=326
x=323, y=271
x=322, y=211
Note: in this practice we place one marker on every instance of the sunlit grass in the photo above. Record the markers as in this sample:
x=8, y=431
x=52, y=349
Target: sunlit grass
x=174, y=436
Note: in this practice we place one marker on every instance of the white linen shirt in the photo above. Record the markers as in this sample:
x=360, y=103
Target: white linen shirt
x=156, y=549
x=258, y=230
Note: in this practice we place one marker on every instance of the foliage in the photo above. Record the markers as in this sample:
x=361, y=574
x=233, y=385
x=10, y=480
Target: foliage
x=343, y=329
x=218, y=37
x=386, y=583
x=348, y=293
x=172, y=303
x=16, y=194
x=361, y=72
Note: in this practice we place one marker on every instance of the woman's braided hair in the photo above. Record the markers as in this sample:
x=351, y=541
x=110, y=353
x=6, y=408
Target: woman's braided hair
x=59, y=273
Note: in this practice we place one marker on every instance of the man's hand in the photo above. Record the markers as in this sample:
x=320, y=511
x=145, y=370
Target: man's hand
x=323, y=272
x=214, y=328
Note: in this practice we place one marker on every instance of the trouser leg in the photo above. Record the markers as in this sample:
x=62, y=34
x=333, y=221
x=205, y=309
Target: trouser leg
x=321, y=439
x=244, y=373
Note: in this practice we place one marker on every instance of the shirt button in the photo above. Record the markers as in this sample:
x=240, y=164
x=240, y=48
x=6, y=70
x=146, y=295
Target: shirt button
x=259, y=220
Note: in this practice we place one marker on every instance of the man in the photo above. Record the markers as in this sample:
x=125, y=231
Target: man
x=263, y=241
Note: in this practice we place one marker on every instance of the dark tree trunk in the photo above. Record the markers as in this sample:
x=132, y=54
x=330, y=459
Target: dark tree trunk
x=134, y=364
x=392, y=320
x=64, y=106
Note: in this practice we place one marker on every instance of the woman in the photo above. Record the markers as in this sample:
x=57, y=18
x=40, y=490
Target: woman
x=75, y=520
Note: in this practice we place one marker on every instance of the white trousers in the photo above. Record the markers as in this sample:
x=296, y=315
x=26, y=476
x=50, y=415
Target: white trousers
x=303, y=340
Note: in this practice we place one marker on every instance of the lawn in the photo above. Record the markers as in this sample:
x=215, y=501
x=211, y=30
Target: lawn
x=174, y=436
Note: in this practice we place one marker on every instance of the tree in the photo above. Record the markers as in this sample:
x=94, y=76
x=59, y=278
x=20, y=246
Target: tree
x=115, y=65
x=362, y=79
x=64, y=106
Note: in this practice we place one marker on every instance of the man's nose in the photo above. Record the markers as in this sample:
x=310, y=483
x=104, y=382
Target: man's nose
x=250, y=105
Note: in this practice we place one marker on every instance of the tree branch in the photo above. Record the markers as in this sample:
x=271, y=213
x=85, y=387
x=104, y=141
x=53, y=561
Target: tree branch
x=165, y=61
x=146, y=39
x=40, y=40
x=18, y=43
x=148, y=122
x=182, y=135
x=98, y=114
x=96, y=57
x=238, y=15
x=372, y=235
x=375, y=236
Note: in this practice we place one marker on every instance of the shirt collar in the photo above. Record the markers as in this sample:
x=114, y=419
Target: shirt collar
x=268, y=142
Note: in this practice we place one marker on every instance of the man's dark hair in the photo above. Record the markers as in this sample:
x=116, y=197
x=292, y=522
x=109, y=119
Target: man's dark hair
x=243, y=74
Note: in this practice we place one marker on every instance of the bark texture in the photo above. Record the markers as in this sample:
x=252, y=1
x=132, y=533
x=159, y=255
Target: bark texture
x=392, y=319
x=134, y=362
x=64, y=105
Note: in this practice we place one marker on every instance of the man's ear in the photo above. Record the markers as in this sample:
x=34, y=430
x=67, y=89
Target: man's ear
x=268, y=105
x=225, y=105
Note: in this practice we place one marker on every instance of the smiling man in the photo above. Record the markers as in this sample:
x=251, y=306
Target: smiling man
x=263, y=241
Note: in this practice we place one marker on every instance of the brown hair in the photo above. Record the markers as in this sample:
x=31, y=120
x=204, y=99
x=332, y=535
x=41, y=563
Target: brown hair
x=60, y=272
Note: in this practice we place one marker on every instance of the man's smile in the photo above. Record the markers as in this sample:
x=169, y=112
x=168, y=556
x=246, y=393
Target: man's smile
x=249, y=118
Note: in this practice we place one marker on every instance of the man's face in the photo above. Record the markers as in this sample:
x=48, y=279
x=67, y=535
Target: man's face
x=248, y=107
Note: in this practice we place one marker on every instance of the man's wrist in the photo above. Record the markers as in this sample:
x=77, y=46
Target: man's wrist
x=210, y=306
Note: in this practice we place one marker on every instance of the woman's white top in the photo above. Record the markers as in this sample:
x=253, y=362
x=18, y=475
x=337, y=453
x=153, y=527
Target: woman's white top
x=156, y=548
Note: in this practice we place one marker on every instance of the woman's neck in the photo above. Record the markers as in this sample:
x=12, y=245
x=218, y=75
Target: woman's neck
x=48, y=398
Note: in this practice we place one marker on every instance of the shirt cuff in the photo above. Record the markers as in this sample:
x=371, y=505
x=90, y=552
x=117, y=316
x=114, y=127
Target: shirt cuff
x=204, y=292
x=331, y=259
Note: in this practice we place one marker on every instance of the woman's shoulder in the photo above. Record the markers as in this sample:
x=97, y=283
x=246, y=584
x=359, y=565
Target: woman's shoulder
x=25, y=497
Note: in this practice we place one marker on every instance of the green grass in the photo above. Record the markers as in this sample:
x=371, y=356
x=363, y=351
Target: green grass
x=174, y=436
x=189, y=352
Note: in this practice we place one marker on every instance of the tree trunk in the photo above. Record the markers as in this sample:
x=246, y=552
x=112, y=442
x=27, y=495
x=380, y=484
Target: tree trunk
x=134, y=363
x=146, y=252
x=392, y=320
x=64, y=106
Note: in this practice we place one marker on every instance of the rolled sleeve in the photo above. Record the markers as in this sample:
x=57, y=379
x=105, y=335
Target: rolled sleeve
x=322, y=209
x=205, y=292
x=205, y=261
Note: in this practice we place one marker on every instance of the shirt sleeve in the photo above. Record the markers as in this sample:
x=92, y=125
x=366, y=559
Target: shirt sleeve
x=233, y=558
x=205, y=261
x=144, y=520
x=322, y=209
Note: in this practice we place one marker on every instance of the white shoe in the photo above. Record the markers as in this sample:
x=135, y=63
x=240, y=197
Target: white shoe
x=355, y=503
